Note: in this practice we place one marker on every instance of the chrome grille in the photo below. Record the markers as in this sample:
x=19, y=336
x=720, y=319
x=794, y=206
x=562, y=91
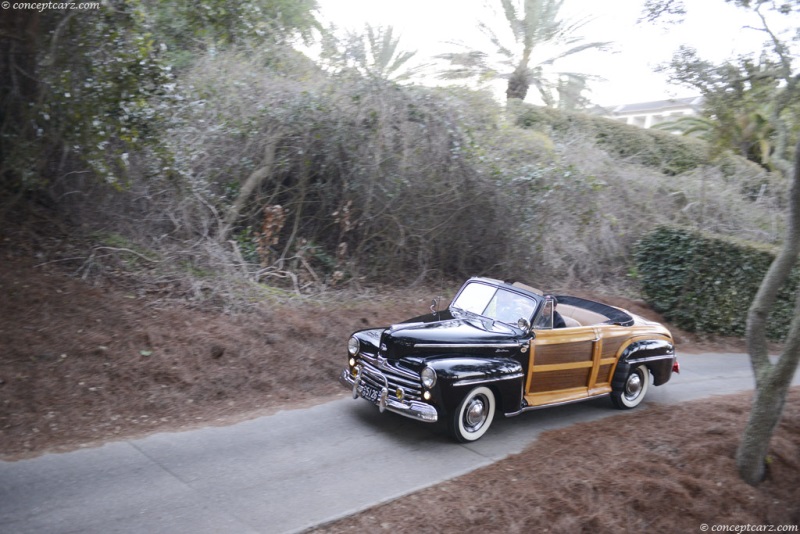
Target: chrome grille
x=391, y=379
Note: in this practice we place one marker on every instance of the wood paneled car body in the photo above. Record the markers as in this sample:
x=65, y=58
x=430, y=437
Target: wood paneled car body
x=504, y=348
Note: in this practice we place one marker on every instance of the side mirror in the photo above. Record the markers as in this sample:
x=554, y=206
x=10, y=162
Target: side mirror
x=435, y=304
x=524, y=325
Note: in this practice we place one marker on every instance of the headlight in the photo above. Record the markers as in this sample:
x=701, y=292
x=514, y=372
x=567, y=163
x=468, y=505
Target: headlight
x=428, y=376
x=353, y=345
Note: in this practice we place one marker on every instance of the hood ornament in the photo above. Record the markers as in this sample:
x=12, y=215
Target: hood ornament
x=435, y=305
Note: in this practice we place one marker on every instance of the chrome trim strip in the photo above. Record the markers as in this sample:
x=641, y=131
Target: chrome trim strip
x=564, y=403
x=466, y=345
x=472, y=381
x=402, y=326
x=651, y=358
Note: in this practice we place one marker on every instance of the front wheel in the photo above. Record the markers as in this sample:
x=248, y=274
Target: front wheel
x=632, y=392
x=474, y=415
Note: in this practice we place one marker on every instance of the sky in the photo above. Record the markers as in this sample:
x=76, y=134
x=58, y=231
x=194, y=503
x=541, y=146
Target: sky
x=713, y=27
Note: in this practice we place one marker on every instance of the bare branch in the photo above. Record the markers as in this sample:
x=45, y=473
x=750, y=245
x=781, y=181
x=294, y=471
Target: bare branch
x=129, y=251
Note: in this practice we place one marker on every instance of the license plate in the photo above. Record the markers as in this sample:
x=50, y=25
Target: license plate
x=369, y=393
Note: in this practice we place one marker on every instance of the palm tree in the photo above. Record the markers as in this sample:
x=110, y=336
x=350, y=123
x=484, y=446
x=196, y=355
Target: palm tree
x=375, y=53
x=526, y=55
x=749, y=133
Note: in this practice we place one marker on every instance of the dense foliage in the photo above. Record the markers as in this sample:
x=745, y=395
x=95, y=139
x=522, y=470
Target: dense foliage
x=77, y=93
x=216, y=163
x=362, y=177
x=81, y=90
x=670, y=154
x=706, y=283
x=322, y=180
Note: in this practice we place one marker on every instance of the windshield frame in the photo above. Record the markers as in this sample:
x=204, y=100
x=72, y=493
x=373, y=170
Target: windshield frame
x=496, y=301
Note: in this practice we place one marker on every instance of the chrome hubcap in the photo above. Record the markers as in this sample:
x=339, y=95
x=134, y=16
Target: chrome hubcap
x=634, y=386
x=475, y=413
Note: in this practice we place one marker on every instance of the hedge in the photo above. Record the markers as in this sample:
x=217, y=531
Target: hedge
x=706, y=283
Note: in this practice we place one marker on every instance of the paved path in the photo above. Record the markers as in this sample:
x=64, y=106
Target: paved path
x=288, y=471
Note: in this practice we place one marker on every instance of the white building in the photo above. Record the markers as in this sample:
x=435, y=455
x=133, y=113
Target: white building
x=648, y=114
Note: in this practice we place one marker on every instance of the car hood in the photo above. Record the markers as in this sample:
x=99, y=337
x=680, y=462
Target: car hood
x=442, y=333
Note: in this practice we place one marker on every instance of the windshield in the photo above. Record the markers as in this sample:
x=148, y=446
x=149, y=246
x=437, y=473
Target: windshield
x=494, y=303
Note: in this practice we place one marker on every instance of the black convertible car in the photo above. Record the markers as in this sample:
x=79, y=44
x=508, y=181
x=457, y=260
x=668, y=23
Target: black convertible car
x=507, y=348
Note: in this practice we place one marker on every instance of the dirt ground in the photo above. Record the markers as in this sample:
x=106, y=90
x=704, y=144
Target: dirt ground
x=86, y=362
x=82, y=364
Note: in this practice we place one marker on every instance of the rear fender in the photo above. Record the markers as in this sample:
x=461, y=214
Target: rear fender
x=657, y=354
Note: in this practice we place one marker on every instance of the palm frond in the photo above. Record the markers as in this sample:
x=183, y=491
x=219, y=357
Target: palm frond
x=597, y=45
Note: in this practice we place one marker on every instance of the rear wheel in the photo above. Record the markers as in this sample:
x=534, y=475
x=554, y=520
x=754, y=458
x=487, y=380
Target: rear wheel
x=633, y=390
x=474, y=415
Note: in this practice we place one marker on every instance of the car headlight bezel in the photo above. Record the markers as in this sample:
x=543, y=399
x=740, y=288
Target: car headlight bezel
x=428, y=377
x=353, y=346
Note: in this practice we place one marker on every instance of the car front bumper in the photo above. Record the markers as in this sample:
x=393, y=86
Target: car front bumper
x=408, y=408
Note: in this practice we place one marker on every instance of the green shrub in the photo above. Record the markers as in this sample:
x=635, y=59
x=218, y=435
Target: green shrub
x=706, y=283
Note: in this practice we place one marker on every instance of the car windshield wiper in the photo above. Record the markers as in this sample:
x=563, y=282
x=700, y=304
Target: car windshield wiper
x=486, y=322
x=462, y=311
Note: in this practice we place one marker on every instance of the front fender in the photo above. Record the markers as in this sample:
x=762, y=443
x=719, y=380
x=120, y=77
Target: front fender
x=456, y=376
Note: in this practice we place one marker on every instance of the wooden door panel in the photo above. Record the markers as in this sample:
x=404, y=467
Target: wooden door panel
x=560, y=380
x=562, y=365
x=580, y=351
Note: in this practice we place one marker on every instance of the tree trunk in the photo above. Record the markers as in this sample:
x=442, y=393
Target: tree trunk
x=772, y=380
x=764, y=417
x=20, y=33
x=518, y=84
